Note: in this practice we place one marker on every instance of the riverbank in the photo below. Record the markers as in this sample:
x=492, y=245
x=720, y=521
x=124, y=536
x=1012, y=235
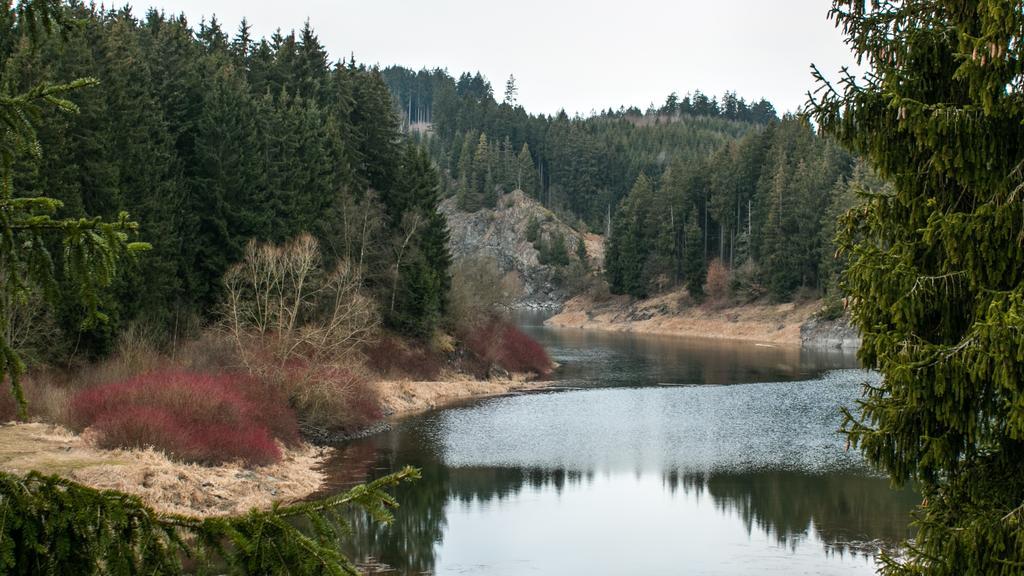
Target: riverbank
x=673, y=314
x=401, y=398
x=174, y=487
x=166, y=485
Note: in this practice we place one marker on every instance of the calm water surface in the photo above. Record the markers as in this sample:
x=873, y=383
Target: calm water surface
x=653, y=455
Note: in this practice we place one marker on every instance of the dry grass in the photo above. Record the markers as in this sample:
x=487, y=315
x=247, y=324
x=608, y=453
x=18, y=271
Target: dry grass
x=167, y=485
x=405, y=397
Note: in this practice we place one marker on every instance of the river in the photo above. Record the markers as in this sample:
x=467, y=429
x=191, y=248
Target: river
x=649, y=455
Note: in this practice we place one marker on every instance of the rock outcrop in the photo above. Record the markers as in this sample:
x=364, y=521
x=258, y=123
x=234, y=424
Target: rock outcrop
x=839, y=333
x=501, y=233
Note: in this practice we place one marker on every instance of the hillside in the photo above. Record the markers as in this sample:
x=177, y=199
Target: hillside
x=501, y=233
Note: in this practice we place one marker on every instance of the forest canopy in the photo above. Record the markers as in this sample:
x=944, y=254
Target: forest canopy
x=212, y=139
x=674, y=188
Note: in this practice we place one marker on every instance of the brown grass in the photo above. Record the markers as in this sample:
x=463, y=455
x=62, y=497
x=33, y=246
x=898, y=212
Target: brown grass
x=405, y=397
x=167, y=485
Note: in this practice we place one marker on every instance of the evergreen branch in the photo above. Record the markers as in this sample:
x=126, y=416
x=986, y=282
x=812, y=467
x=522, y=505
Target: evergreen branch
x=116, y=533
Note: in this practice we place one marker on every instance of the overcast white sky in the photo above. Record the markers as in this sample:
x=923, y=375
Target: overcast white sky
x=578, y=55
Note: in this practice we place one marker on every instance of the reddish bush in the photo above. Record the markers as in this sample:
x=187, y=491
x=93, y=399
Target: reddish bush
x=390, y=356
x=501, y=343
x=197, y=417
x=521, y=353
x=717, y=284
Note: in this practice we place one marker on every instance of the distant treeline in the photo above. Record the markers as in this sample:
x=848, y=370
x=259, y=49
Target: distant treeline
x=582, y=167
x=210, y=140
x=676, y=187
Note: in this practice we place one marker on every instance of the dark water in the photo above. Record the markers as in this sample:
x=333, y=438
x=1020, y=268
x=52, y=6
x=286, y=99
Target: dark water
x=656, y=456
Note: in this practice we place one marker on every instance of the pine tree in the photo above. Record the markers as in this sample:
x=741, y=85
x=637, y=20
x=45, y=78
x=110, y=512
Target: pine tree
x=629, y=246
x=56, y=526
x=936, y=273
x=422, y=281
x=526, y=172
x=469, y=192
x=92, y=248
x=482, y=180
x=695, y=267
x=511, y=90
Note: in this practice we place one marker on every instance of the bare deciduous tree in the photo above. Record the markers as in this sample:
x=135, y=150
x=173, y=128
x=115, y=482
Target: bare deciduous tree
x=480, y=290
x=281, y=298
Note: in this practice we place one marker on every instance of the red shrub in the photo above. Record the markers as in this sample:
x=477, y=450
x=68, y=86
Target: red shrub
x=521, y=353
x=389, y=356
x=141, y=427
x=499, y=342
x=197, y=417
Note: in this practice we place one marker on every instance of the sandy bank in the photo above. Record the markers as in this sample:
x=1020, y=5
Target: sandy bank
x=401, y=398
x=166, y=485
x=668, y=314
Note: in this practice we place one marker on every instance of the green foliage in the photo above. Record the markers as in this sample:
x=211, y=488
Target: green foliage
x=54, y=526
x=581, y=252
x=695, y=267
x=716, y=157
x=533, y=231
x=210, y=142
x=91, y=247
x=580, y=166
x=629, y=243
x=419, y=299
x=936, y=267
x=759, y=198
x=552, y=250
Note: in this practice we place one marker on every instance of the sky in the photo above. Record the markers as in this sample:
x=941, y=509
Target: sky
x=581, y=56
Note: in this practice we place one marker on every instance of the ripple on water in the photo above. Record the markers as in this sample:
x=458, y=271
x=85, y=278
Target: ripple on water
x=743, y=427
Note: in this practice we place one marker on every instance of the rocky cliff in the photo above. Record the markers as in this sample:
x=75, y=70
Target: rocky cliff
x=502, y=233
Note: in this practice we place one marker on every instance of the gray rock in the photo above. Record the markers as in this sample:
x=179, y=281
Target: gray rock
x=839, y=333
x=500, y=233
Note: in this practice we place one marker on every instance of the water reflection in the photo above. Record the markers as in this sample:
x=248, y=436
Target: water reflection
x=769, y=516
x=592, y=358
x=846, y=510
x=665, y=476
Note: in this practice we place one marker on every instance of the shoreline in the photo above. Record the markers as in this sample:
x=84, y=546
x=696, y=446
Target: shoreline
x=404, y=398
x=786, y=324
x=174, y=487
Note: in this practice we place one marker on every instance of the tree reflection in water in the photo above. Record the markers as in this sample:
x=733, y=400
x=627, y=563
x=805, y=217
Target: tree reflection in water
x=847, y=510
x=851, y=514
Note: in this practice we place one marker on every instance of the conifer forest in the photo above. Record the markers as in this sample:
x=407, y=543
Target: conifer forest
x=267, y=307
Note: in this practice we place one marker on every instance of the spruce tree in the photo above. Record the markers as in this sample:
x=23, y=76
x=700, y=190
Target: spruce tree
x=695, y=267
x=422, y=282
x=526, y=172
x=92, y=248
x=936, y=272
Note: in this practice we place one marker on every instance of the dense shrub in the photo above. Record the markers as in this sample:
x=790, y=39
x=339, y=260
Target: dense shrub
x=327, y=396
x=480, y=290
x=746, y=285
x=8, y=407
x=193, y=416
x=392, y=357
x=501, y=343
x=717, y=284
x=47, y=399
